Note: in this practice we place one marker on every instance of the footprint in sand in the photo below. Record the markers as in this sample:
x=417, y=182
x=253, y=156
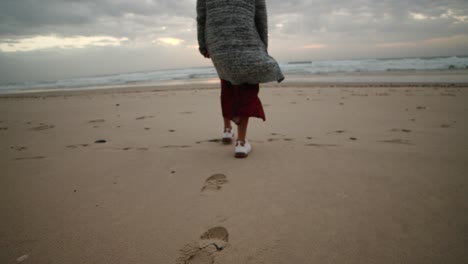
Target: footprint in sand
x=141, y=149
x=216, y=140
x=176, y=146
x=96, y=121
x=3, y=128
x=397, y=141
x=143, y=117
x=31, y=158
x=42, y=127
x=401, y=130
x=214, y=182
x=340, y=131
x=76, y=146
x=203, y=252
x=19, y=148
x=279, y=139
x=321, y=145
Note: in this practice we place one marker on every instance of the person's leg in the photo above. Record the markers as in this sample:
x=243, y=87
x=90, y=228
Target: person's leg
x=227, y=124
x=248, y=105
x=243, y=147
x=228, y=134
x=242, y=129
x=226, y=103
x=226, y=111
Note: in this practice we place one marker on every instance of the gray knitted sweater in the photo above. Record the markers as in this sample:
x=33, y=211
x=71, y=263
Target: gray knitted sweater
x=235, y=35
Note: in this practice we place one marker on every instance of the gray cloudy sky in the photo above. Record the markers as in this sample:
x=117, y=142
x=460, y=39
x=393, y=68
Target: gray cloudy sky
x=52, y=39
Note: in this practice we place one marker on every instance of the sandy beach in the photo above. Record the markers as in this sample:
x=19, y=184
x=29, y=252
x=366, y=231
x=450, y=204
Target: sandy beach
x=338, y=174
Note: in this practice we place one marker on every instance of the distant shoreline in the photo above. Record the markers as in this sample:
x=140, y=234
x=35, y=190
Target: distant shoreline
x=436, y=69
x=423, y=79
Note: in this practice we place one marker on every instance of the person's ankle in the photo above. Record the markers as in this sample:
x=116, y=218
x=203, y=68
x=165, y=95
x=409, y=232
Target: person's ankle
x=241, y=142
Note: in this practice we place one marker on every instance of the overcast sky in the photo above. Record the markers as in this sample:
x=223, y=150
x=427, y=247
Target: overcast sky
x=53, y=39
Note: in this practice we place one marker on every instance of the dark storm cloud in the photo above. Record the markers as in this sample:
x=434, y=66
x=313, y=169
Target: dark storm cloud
x=334, y=19
x=70, y=17
x=356, y=19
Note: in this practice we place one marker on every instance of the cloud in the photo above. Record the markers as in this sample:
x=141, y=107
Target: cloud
x=449, y=14
x=99, y=17
x=360, y=18
x=47, y=42
x=324, y=20
x=434, y=41
x=169, y=41
x=312, y=46
x=418, y=16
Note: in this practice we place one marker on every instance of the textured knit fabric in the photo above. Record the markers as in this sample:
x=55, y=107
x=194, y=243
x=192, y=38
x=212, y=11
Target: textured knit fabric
x=240, y=101
x=235, y=35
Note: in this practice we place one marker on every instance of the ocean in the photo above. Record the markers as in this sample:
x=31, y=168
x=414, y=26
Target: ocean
x=307, y=70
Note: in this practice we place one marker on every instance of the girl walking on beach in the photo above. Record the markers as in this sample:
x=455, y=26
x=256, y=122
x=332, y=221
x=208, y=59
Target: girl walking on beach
x=234, y=34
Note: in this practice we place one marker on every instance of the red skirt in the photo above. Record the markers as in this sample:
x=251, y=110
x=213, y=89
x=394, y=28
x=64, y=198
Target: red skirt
x=240, y=101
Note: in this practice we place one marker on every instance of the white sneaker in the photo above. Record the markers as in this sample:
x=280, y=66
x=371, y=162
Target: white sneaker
x=242, y=150
x=228, y=135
